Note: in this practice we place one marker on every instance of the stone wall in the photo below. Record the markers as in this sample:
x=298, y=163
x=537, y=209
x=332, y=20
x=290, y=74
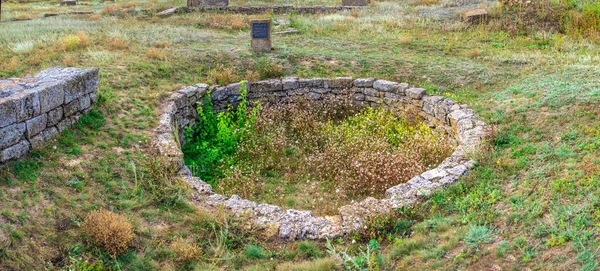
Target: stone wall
x=263, y=9
x=458, y=121
x=34, y=109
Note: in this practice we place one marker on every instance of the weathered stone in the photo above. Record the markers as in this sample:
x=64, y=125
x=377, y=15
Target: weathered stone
x=10, y=135
x=321, y=90
x=355, y=3
x=313, y=96
x=168, y=12
x=8, y=112
x=415, y=93
x=434, y=174
x=27, y=105
x=311, y=83
x=267, y=85
x=36, y=125
x=14, y=151
x=384, y=85
x=371, y=92
x=359, y=97
x=54, y=116
x=476, y=16
x=290, y=83
x=364, y=82
x=430, y=102
x=42, y=138
x=71, y=108
x=207, y=3
x=459, y=170
x=85, y=102
x=340, y=82
x=68, y=2
x=52, y=96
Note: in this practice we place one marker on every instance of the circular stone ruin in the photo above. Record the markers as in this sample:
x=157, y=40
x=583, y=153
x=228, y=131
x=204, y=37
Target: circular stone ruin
x=458, y=121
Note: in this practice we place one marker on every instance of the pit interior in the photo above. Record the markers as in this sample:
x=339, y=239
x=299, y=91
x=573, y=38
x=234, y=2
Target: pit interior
x=310, y=152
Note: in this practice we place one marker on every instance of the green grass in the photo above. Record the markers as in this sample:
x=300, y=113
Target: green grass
x=536, y=188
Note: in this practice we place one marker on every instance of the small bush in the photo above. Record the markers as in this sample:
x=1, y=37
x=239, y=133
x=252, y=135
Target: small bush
x=109, y=231
x=479, y=235
x=255, y=252
x=117, y=43
x=308, y=250
x=73, y=42
x=326, y=264
x=155, y=53
x=222, y=75
x=185, y=252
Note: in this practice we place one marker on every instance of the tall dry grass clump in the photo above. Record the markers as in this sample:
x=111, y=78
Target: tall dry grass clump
x=109, y=231
x=185, y=252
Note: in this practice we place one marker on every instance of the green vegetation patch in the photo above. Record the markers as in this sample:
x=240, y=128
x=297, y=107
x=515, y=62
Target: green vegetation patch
x=309, y=154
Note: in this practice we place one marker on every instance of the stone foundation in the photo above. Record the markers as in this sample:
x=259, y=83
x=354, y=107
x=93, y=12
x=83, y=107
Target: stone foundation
x=264, y=9
x=459, y=121
x=35, y=109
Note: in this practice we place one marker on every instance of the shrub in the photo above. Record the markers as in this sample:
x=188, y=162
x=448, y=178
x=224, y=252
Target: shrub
x=222, y=75
x=255, y=252
x=109, y=231
x=217, y=135
x=70, y=42
x=185, y=252
x=118, y=43
x=478, y=235
x=155, y=53
x=308, y=249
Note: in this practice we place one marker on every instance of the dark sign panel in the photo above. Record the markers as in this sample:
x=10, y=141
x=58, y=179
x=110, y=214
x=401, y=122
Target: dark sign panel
x=260, y=30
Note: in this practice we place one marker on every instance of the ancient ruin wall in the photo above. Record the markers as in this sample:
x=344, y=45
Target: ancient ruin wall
x=34, y=109
x=459, y=121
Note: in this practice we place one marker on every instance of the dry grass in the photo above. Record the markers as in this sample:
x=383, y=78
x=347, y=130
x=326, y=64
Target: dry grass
x=222, y=75
x=306, y=145
x=117, y=43
x=156, y=53
x=109, y=231
x=473, y=53
x=185, y=252
x=227, y=21
x=94, y=17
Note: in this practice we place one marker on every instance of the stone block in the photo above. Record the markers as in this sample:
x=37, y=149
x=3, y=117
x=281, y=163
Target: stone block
x=11, y=135
x=371, y=92
x=364, y=82
x=36, y=125
x=355, y=3
x=415, y=93
x=384, y=85
x=290, y=83
x=267, y=86
x=8, y=112
x=54, y=116
x=207, y=3
x=85, y=102
x=339, y=82
x=51, y=96
x=27, y=104
x=68, y=3
x=311, y=83
x=14, y=151
x=42, y=138
x=476, y=16
x=71, y=108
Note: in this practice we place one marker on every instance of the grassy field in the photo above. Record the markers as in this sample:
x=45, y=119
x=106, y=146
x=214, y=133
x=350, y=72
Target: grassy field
x=531, y=203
